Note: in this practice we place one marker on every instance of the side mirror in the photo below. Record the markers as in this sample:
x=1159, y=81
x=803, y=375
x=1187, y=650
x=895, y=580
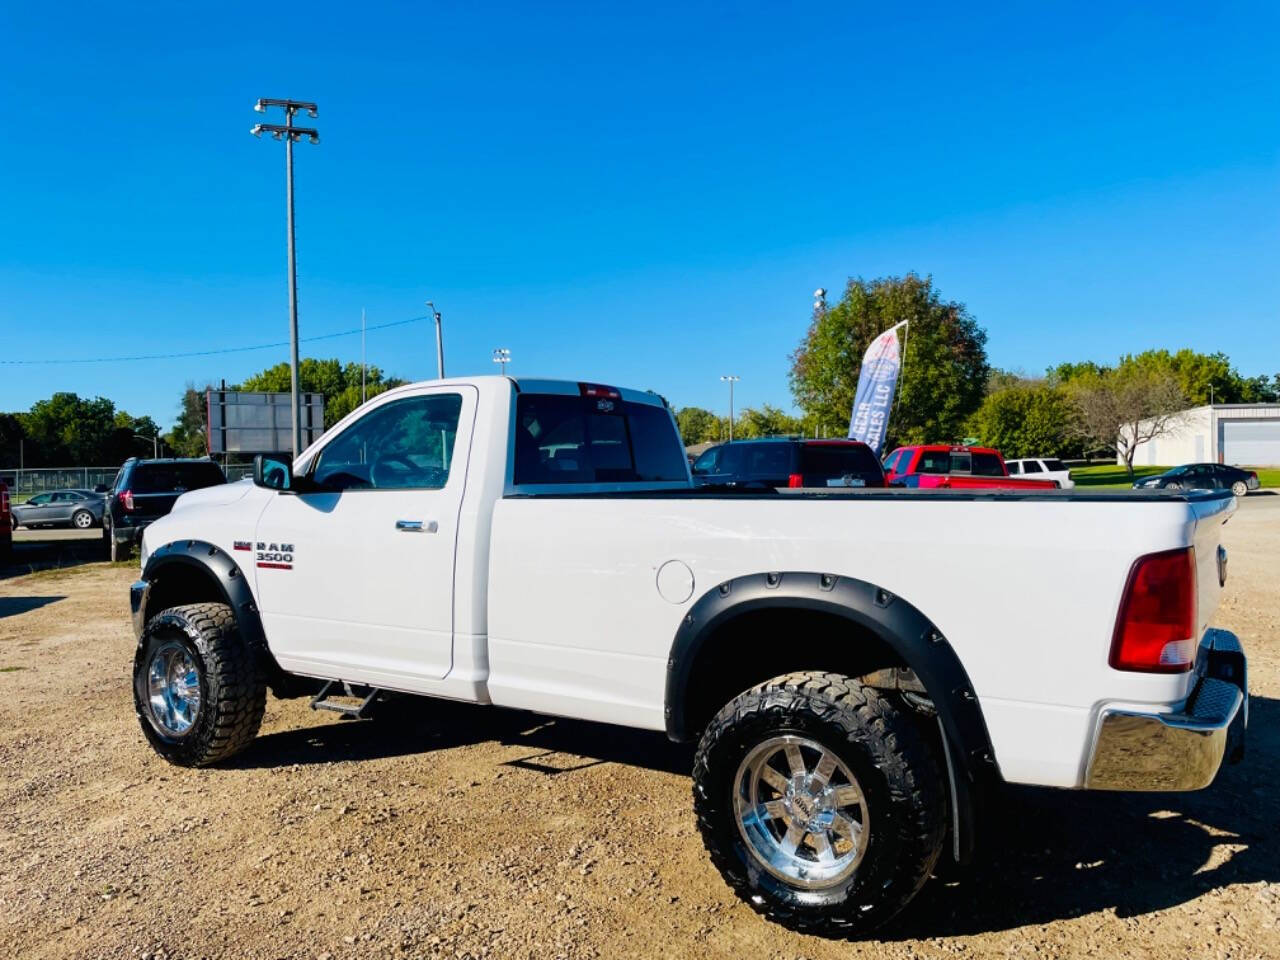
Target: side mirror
x=272, y=473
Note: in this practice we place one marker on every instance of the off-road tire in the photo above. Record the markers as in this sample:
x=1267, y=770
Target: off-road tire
x=899, y=775
x=233, y=694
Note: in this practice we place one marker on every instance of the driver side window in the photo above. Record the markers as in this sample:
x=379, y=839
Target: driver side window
x=403, y=445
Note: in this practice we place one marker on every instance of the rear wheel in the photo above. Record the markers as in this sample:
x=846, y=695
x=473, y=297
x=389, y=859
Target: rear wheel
x=117, y=550
x=1240, y=488
x=820, y=803
x=197, y=689
x=82, y=520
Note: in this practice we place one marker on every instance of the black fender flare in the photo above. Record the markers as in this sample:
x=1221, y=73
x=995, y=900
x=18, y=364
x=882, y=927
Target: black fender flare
x=969, y=757
x=218, y=566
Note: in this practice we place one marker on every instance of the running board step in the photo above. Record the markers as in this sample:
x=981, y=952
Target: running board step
x=337, y=688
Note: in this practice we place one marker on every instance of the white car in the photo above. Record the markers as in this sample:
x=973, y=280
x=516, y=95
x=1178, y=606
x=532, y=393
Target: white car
x=1041, y=468
x=854, y=665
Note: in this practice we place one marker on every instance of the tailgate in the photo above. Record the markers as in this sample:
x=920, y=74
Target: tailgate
x=1211, y=558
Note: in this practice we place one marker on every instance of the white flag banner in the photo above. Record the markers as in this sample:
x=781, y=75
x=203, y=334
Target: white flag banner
x=874, y=398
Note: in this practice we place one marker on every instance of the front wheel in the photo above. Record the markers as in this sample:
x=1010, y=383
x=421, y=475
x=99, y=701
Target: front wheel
x=820, y=803
x=197, y=689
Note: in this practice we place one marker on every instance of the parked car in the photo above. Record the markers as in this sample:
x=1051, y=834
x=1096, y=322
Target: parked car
x=144, y=491
x=6, y=524
x=941, y=465
x=1202, y=476
x=539, y=545
x=790, y=462
x=81, y=509
x=1041, y=468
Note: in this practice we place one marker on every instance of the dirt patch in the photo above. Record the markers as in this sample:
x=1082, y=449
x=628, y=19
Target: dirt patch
x=447, y=830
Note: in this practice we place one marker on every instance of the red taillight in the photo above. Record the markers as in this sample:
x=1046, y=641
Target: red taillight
x=1155, y=632
x=795, y=480
x=126, y=500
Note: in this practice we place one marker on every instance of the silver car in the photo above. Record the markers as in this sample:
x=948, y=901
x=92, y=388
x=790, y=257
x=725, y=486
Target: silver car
x=80, y=509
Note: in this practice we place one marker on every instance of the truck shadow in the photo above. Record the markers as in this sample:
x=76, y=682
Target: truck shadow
x=1043, y=855
x=413, y=725
x=1051, y=854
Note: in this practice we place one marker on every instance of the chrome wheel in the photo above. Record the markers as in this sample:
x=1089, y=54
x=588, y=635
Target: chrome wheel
x=1240, y=488
x=801, y=812
x=173, y=689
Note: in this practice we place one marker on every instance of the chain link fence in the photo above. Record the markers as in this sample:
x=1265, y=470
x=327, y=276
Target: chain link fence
x=29, y=482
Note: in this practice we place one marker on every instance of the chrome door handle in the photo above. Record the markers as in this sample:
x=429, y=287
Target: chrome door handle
x=417, y=526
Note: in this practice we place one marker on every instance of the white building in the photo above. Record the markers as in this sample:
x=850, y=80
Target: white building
x=1245, y=434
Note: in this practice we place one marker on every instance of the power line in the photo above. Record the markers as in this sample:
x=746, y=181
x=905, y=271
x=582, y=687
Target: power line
x=209, y=353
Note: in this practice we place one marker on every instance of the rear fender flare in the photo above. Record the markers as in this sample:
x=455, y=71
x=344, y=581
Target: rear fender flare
x=969, y=757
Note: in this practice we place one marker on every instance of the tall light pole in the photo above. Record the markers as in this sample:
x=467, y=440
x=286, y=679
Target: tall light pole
x=820, y=301
x=731, y=380
x=435, y=315
x=155, y=444
x=290, y=134
x=503, y=356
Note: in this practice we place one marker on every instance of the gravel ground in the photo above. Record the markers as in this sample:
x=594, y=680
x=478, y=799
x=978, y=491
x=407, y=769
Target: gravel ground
x=454, y=831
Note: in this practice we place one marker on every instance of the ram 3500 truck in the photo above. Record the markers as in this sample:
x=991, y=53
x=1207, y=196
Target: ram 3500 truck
x=854, y=666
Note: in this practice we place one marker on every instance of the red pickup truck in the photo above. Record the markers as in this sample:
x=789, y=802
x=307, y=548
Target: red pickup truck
x=948, y=467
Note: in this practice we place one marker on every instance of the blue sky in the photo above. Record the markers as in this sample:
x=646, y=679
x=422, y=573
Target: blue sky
x=645, y=195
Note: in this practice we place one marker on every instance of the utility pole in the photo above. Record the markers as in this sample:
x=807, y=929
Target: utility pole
x=290, y=134
x=503, y=356
x=731, y=380
x=362, y=365
x=435, y=315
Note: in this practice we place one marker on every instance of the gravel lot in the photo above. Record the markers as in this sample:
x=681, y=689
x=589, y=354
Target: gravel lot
x=447, y=830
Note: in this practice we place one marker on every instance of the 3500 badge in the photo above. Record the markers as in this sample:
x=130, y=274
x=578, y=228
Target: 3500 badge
x=275, y=556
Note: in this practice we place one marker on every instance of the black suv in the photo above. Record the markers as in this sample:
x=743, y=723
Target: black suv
x=790, y=462
x=145, y=490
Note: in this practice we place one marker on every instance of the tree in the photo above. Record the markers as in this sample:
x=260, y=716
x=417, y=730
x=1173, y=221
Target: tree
x=1122, y=409
x=12, y=439
x=1027, y=419
x=189, y=436
x=698, y=425
x=339, y=384
x=944, y=373
x=69, y=430
x=768, y=421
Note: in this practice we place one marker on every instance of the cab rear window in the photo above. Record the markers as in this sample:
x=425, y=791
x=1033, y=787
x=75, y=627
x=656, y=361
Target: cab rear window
x=566, y=439
x=166, y=477
x=819, y=462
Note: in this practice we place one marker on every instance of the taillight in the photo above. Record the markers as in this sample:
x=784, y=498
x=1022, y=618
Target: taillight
x=1155, y=631
x=795, y=480
x=126, y=500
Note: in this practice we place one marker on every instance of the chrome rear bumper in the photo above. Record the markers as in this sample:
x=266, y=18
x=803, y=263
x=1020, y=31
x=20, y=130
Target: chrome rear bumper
x=1133, y=750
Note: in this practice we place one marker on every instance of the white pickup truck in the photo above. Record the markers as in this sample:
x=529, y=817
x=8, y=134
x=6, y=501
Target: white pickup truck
x=855, y=666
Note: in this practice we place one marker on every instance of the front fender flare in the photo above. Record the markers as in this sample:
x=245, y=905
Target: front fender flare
x=218, y=566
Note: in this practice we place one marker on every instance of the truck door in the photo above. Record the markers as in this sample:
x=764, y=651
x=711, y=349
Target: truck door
x=355, y=581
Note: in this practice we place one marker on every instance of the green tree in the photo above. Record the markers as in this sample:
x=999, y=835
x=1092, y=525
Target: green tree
x=1027, y=419
x=767, y=421
x=189, y=438
x=68, y=430
x=698, y=425
x=944, y=373
x=340, y=384
x=12, y=440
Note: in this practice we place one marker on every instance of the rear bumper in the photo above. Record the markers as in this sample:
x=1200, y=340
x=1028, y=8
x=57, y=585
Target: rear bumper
x=131, y=533
x=1183, y=750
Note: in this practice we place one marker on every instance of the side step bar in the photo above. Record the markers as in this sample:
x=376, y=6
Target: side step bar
x=337, y=688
